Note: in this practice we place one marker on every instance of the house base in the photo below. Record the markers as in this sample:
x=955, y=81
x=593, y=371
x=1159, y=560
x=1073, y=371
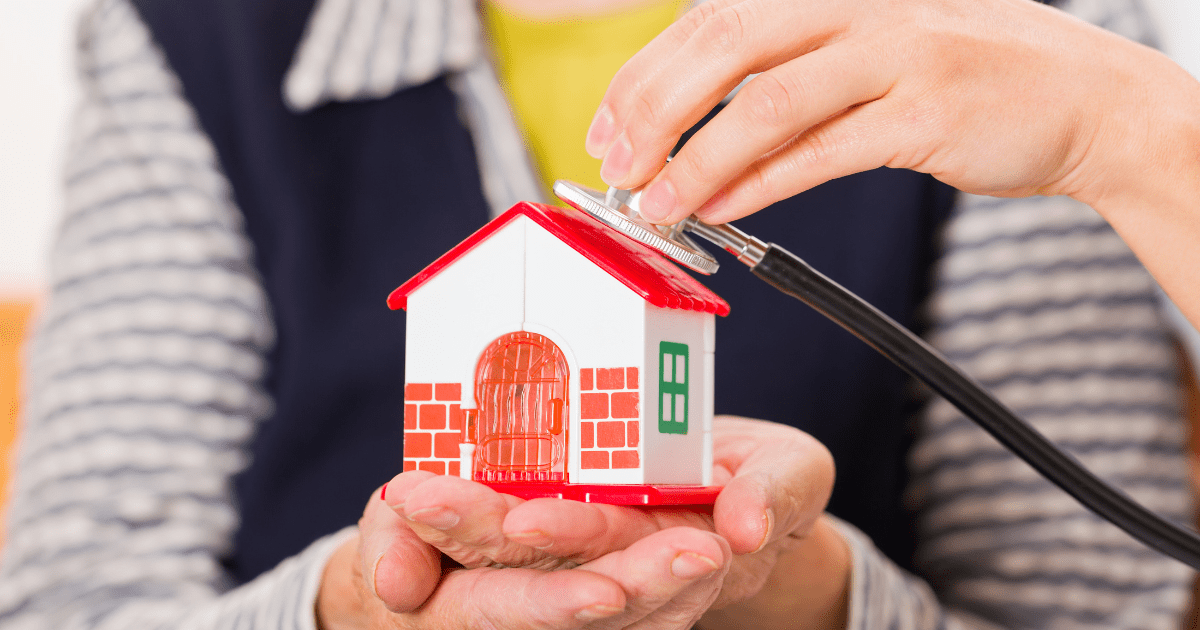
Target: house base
x=701, y=497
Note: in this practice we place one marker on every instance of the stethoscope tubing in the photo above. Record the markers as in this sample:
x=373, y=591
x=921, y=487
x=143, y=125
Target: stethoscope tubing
x=793, y=276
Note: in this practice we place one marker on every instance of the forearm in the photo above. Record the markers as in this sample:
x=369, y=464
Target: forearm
x=1142, y=171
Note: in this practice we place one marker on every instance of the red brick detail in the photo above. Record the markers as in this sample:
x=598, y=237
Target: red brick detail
x=455, y=418
x=454, y=470
x=591, y=460
x=632, y=434
x=585, y=379
x=625, y=405
x=631, y=378
x=410, y=417
x=448, y=391
x=594, y=406
x=587, y=435
x=410, y=465
x=418, y=391
x=626, y=459
x=445, y=445
x=610, y=378
x=433, y=466
x=418, y=445
x=610, y=434
x=433, y=417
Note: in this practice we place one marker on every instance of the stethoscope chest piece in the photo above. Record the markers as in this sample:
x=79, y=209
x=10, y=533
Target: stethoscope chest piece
x=618, y=210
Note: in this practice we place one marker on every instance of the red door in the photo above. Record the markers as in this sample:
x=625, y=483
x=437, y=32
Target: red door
x=521, y=393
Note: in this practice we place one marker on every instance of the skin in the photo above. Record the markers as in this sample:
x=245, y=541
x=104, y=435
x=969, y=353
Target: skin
x=386, y=578
x=996, y=97
x=619, y=564
x=999, y=97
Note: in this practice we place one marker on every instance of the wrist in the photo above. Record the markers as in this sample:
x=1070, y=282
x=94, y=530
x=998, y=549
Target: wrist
x=1144, y=173
x=809, y=587
x=339, y=603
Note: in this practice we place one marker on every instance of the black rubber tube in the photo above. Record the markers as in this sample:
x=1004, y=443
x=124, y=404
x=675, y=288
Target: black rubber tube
x=793, y=276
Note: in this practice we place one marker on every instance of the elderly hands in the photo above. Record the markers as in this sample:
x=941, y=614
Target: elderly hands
x=650, y=568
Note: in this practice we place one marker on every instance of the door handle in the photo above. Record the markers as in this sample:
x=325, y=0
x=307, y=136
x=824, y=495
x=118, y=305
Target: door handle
x=556, y=412
x=470, y=426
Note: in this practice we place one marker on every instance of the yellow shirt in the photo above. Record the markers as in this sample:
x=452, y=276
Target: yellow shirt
x=556, y=71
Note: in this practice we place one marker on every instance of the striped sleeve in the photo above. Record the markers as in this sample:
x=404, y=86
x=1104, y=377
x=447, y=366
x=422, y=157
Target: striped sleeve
x=1044, y=304
x=143, y=376
x=1041, y=301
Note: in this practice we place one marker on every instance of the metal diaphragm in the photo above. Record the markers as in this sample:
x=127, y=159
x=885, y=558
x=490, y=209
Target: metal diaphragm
x=618, y=210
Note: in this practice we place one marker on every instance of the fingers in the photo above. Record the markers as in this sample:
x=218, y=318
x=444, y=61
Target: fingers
x=766, y=113
x=644, y=67
x=861, y=139
x=672, y=83
x=782, y=479
x=477, y=526
x=397, y=567
x=585, y=531
x=670, y=577
x=519, y=599
x=464, y=520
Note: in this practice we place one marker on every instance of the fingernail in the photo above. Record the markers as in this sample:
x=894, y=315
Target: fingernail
x=618, y=162
x=768, y=524
x=535, y=539
x=436, y=517
x=383, y=493
x=658, y=202
x=600, y=133
x=374, y=570
x=690, y=566
x=592, y=613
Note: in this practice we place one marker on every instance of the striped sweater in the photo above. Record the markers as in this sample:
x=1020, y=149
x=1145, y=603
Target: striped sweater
x=145, y=371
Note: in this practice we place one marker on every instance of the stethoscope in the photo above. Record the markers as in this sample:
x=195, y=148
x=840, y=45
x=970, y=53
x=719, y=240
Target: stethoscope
x=785, y=271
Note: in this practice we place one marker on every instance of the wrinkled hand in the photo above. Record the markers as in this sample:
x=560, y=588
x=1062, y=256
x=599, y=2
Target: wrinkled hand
x=1000, y=97
x=386, y=577
x=776, y=481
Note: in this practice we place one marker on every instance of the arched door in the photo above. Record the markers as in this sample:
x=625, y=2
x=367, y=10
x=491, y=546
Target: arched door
x=521, y=393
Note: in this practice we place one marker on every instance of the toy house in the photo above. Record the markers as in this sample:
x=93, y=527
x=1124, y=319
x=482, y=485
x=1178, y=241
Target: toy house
x=549, y=355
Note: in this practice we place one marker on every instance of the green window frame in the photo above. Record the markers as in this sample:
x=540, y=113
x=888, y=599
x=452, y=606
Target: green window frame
x=673, y=370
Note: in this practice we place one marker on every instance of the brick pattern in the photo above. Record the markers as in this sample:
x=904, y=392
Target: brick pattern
x=432, y=427
x=610, y=410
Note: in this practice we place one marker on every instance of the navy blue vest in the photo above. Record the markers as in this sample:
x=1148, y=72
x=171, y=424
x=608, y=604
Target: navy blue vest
x=346, y=202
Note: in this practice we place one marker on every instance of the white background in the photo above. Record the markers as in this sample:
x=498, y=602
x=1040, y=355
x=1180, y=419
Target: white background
x=36, y=96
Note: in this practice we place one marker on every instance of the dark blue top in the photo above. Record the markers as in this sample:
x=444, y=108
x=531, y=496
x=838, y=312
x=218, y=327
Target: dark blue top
x=347, y=201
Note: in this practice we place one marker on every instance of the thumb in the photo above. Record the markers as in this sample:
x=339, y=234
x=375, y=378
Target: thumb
x=782, y=479
x=398, y=568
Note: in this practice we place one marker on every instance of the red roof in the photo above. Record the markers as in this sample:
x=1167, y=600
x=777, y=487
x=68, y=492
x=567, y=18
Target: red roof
x=637, y=266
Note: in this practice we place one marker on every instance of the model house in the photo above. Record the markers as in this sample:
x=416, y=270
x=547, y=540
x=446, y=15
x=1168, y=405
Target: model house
x=549, y=350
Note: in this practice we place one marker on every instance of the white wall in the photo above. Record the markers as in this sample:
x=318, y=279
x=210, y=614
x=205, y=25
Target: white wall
x=35, y=72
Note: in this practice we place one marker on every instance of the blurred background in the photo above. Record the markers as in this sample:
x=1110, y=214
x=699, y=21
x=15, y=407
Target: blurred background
x=36, y=74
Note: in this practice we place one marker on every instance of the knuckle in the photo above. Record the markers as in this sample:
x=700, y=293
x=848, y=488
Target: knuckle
x=701, y=165
x=695, y=19
x=755, y=185
x=724, y=32
x=817, y=149
x=651, y=109
x=769, y=101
